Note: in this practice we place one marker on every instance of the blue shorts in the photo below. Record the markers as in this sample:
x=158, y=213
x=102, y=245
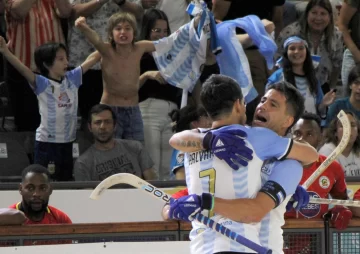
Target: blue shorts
x=129, y=123
x=61, y=154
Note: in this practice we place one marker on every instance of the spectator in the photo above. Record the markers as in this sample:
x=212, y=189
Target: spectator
x=351, y=103
x=109, y=156
x=271, y=10
x=56, y=89
x=187, y=118
x=157, y=98
x=330, y=182
x=299, y=71
x=43, y=17
x=175, y=10
x=9, y=216
x=324, y=39
x=350, y=157
x=349, y=25
x=96, y=12
x=35, y=190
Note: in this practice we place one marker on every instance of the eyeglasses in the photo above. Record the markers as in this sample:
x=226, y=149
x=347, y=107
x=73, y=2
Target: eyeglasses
x=158, y=30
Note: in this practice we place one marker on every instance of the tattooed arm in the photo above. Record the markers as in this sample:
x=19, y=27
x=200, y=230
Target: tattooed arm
x=187, y=141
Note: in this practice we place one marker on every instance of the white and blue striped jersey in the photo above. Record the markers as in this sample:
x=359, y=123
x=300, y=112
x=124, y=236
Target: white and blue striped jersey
x=288, y=174
x=58, y=104
x=205, y=173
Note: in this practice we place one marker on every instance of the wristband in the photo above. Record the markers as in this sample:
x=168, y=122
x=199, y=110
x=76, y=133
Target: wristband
x=206, y=140
x=207, y=201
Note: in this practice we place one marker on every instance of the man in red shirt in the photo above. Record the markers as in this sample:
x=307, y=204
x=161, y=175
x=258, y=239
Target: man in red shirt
x=35, y=190
x=330, y=182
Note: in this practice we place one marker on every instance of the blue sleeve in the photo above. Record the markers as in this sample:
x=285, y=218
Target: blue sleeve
x=75, y=76
x=275, y=78
x=319, y=94
x=41, y=83
x=268, y=145
x=177, y=160
x=287, y=174
x=332, y=112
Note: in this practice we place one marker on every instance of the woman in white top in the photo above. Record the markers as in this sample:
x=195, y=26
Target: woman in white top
x=350, y=157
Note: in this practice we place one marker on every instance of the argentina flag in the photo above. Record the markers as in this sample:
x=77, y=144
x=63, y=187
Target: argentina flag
x=233, y=61
x=180, y=56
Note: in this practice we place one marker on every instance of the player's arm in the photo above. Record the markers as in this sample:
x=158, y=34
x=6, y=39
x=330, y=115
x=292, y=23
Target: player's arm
x=339, y=189
x=303, y=152
x=90, y=61
x=187, y=141
x=356, y=210
x=282, y=182
x=9, y=216
x=91, y=36
x=14, y=61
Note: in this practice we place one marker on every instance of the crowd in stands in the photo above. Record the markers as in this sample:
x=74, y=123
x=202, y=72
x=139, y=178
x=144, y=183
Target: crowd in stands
x=66, y=60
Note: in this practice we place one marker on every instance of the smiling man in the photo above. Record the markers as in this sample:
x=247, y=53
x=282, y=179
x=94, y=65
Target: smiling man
x=35, y=190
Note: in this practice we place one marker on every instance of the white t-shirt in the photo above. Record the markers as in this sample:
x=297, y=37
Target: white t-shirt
x=350, y=164
x=58, y=104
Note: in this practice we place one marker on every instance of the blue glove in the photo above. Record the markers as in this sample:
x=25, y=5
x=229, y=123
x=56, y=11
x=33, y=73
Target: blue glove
x=227, y=143
x=299, y=200
x=185, y=208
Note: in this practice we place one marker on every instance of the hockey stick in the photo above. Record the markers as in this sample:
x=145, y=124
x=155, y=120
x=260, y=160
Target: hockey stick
x=130, y=179
x=338, y=150
x=326, y=201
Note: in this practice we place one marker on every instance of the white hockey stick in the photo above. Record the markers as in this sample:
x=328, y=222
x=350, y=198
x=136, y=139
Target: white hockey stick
x=338, y=150
x=326, y=201
x=130, y=179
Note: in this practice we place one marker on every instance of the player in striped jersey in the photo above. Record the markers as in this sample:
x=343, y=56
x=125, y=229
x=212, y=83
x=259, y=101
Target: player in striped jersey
x=57, y=93
x=207, y=174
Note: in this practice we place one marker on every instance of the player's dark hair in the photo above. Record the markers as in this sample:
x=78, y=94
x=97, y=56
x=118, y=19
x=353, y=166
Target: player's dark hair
x=218, y=95
x=182, y=118
x=312, y=117
x=331, y=137
x=294, y=100
x=100, y=108
x=45, y=56
x=35, y=168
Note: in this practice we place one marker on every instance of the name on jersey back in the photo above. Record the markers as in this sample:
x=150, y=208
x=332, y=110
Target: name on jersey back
x=199, y=156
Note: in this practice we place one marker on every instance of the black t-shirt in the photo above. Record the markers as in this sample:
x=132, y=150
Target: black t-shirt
x=261, y=8
x=152, y=88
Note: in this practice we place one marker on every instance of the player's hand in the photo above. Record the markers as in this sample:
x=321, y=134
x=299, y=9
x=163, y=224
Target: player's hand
x=268, y=25
x=228, y=143
x=4, y=47
x=155, y=75
x=299, y=200
x=80, y=22
x=186, y=207
x=339, y=216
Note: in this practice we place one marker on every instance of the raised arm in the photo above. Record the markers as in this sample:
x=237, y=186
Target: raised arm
x=63, y=8
x=220, y=8
x=14, y=61
x=19, y=8
x=245, y=39
x=87, y=9
x=91, y=35
x=131, y=7
x=146, y=46
x=90, y=61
